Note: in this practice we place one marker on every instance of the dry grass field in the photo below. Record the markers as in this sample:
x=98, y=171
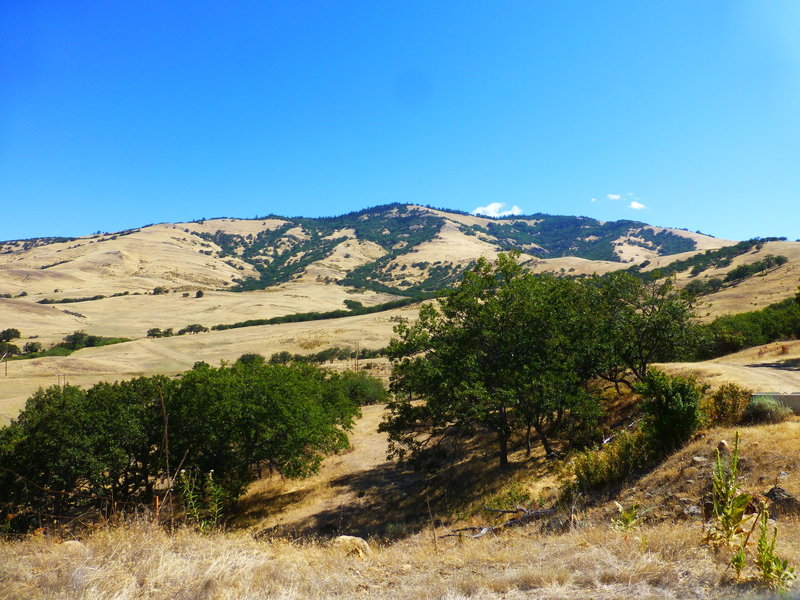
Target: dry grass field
x=594, y=562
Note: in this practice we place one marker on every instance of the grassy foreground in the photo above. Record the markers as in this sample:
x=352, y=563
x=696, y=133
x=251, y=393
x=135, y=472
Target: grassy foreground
x=593, y=561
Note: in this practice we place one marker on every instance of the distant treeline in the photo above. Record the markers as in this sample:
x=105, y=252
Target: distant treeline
x=356, y=308
x=719, y=258
x=329, y=354
x=731, y=333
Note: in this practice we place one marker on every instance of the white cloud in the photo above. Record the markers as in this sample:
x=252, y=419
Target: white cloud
x=495, y=209
x=636, y=205
x=594, y=199
x=613, y=196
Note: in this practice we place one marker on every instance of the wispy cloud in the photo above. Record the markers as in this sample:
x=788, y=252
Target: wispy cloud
x=613, y=196
x=636, y=205
x=496, y=209
x=594, y=199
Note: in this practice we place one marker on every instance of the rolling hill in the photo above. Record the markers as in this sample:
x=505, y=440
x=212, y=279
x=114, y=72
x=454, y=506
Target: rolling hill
x=125, y=283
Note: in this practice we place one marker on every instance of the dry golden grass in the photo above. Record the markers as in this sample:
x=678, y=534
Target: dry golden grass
x=142, y=561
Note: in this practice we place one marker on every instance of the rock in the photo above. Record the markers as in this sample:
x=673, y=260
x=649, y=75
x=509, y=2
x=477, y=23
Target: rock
x=783, y=503
x=74, y=547
x=351, y=545
x=699, y=460
x=692, y=511
x=723, y=447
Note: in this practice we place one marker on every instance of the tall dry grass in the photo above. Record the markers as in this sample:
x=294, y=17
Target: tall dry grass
x=140, y=561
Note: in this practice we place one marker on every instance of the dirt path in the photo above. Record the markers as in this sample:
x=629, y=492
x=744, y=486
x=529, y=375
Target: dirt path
x=773, y=368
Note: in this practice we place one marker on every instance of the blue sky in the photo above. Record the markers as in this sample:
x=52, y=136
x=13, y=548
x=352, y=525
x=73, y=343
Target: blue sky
x=677, y=113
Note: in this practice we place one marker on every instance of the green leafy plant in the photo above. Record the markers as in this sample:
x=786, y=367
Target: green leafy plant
x=203, y=498
x=739, y=562
x=775, y=572
x=671, y=406
x=628, y=518
x=729, y=523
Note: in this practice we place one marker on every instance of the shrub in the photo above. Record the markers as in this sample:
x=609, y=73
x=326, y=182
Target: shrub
x=32, y=347
x=611, y=465
x=671, y=406
x=765, y=409
x=363, y=389
x=199, y=294
x=251, y=358
x=726, y=405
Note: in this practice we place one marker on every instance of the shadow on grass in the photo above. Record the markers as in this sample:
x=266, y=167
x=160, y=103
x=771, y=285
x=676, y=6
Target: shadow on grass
x=391, y=500
x=789, y=364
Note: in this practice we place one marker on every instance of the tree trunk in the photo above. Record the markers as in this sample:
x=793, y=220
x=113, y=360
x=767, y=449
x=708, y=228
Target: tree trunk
x=528, y=442
x=548, y=449
x=502, y=439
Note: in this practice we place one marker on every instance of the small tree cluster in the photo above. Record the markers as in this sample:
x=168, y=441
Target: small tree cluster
x=506, y=351
x=71, y=449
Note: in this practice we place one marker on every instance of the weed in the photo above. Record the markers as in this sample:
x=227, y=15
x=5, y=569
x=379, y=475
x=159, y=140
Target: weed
x=628, y=518
x=203, y=499
x=729, y=521
x=739, y=562
x=775, y=572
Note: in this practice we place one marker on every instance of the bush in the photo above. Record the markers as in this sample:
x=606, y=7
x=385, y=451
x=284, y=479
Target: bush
x=671, y=406
x=32, y=347
x=765, y=409
x=199, y=294
x=251, y=358
x=363, y=389
x=611, y=465
x=726, y=405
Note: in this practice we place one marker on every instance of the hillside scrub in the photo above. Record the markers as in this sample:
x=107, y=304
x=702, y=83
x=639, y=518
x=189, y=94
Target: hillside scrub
x=112, y=445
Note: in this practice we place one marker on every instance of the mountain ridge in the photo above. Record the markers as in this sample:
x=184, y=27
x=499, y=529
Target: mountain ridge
x=399, y=249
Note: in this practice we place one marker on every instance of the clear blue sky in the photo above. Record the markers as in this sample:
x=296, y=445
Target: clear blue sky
x=118, y=114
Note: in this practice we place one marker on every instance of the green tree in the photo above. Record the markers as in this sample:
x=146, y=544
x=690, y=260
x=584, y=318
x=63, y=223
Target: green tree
x=76, y=340
x=6, y=335
x=32, y=347
x=642, y=323
x=240, y=419
x=362, y=388
x=671, y=406
x=500, y=351
x=193, y=328
x=6, y=348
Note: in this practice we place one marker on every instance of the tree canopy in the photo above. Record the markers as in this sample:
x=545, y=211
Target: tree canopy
x=507, y=350
x=115, y=442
